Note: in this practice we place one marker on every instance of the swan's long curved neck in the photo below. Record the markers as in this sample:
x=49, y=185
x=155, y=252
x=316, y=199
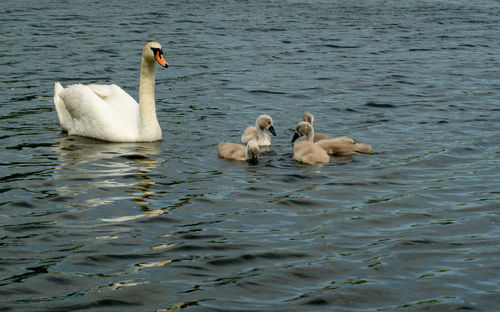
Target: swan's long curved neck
x=310, y=136
x=147, y=110
x=261, y=132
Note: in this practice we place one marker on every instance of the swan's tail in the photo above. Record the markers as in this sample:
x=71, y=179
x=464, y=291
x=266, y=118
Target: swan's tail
x=62, y=112
x=363, y=148
x=57, y=90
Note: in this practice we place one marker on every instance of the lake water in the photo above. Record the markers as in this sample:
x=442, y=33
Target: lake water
x=169, y=226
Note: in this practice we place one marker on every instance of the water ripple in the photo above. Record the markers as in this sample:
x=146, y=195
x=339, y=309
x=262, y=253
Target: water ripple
x=169, y=226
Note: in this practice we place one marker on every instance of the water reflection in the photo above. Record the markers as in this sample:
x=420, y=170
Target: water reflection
x=103, y=170
x=80, y=149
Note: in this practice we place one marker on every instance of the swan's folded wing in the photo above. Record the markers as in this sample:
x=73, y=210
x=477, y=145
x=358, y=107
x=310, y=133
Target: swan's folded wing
x=115, y=96
x=62, y=113
x=94, y=117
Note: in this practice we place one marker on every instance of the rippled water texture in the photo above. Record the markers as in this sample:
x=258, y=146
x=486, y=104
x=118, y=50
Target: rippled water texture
x=169, y=226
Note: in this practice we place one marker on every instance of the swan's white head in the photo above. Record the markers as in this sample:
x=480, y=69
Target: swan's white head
x=308, y=117
x=265, y=122
x=252, y=150
x=152, y=52
x=303, y=128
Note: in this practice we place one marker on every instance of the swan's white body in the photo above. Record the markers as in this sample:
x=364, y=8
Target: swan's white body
x=108, y=113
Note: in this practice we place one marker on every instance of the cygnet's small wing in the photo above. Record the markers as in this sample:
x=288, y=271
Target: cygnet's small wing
x=249, y=134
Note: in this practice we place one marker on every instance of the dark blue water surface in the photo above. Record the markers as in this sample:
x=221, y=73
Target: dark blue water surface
x=168, y=226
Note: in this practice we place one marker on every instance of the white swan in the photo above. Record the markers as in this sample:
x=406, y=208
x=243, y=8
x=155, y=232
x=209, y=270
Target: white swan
x=257, y=133
x=108, y=113
x=306, y=151
x=238, y=151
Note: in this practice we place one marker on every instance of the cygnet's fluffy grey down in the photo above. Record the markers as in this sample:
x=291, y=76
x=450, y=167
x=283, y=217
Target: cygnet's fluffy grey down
x=238, y=151
x=257, y=133
x=343, y=146
x=336, y=146
x=306, y=151
x=308, y=117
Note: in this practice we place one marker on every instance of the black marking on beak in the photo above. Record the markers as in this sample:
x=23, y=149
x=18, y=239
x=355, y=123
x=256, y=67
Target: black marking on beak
x=295, y=137
x=271, y=129
x=158, y=53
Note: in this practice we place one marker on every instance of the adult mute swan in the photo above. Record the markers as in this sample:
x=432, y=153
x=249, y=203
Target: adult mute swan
x=306, y=151
x=108, y=113
x=257, y=133
x=238, y=151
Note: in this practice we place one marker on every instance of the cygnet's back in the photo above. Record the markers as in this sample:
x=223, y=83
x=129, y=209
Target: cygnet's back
x=343, y=145
x=308, y=117
x=238, y=151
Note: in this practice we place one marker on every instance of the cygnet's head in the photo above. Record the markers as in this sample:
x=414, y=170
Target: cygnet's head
x=303, y=128
x=252, y=150
x=152, y=52
x=265, y=122
x=308, y=117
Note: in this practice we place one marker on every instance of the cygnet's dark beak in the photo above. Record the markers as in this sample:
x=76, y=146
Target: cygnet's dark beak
x=271, y=129
x=295, y=137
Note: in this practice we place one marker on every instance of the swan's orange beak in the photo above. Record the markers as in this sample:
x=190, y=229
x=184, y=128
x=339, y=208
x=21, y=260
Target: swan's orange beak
x=160, y=59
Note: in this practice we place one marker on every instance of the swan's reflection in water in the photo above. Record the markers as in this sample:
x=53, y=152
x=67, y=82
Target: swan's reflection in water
x=101, y=173
x=81, y=149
